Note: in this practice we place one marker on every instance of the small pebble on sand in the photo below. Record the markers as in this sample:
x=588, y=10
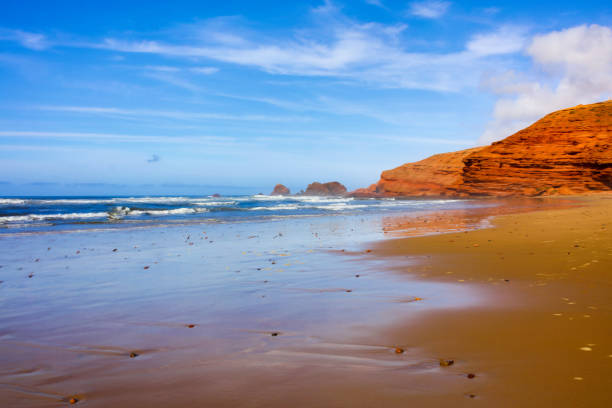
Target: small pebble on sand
x=471, y=375
x=446, y=363
x=133, y=355
x=399, y=350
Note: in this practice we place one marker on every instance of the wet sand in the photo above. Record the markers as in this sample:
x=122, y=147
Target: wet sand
x=306, y=315
x=545, y=336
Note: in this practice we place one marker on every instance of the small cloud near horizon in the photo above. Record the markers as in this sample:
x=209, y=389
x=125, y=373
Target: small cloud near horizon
x=154, y=159
x=429, y=9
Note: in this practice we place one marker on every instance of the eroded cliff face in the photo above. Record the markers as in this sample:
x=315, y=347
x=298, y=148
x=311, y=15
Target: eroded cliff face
x=429, y=177
x=566, y=152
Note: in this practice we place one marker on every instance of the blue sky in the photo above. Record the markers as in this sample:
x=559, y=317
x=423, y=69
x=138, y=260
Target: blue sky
x=195, y=97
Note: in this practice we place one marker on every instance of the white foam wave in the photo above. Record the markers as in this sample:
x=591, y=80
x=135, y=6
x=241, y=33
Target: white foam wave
x=322, y=199
x=276, y=207
x=11, y=201
x=213, y=203
x=49, y=217
x=176, y=211
x=339, y=206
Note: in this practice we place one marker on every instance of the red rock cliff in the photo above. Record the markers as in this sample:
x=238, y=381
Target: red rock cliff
x=428, y=177
x=566, y=152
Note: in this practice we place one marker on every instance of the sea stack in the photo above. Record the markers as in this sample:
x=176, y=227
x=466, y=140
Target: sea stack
x=280, y=190
x=332, y=188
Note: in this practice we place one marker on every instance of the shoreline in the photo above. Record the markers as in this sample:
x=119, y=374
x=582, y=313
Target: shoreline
x=250, y=317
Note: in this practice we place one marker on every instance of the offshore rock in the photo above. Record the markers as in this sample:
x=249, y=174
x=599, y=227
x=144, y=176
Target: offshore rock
x=280, y=189
x=332, y=188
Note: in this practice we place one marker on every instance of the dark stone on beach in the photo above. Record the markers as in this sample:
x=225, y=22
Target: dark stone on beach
x=348, y=291
x=506, y=280
x=115, y=250
x=471, y=375
x=274, y=334
x=146, y=267
x=133, y=355
x=399, y=350
x=446, y=363
x=357, y=276
x=73, y=400
x=191, y=326
x=31, y=275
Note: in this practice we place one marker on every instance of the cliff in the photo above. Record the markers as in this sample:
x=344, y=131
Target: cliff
x=428, y=177
x=566, y=152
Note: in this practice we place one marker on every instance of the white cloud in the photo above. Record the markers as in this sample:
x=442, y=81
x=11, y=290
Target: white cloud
x=429, y=9
x=178, y=115
x=377, y=3
x=506, y=40
x=29, y=40
x=336, y=47
x=576, y=66
x=205, y=70
x=92, y=136
x=333, y=45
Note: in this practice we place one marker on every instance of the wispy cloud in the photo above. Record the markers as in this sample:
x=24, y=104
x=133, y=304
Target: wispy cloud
x=333, y=46
x=369, y=52
x=377, y=3
x=100, y=137
x=178, y=115
x=154, y=159
x=321, y=137
x=29, y=40
x=506, y=40
x=429, y=9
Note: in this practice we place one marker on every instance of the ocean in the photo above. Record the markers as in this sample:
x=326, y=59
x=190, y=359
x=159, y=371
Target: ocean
x=46, y=214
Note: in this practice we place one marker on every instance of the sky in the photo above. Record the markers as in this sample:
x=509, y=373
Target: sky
x=198, y=97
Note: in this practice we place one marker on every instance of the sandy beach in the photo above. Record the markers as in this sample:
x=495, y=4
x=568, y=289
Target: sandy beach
x=338, y=313
x=544, y=337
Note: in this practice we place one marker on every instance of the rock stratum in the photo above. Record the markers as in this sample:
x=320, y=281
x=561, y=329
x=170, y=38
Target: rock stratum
x=566, y=152
x=332, y=188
